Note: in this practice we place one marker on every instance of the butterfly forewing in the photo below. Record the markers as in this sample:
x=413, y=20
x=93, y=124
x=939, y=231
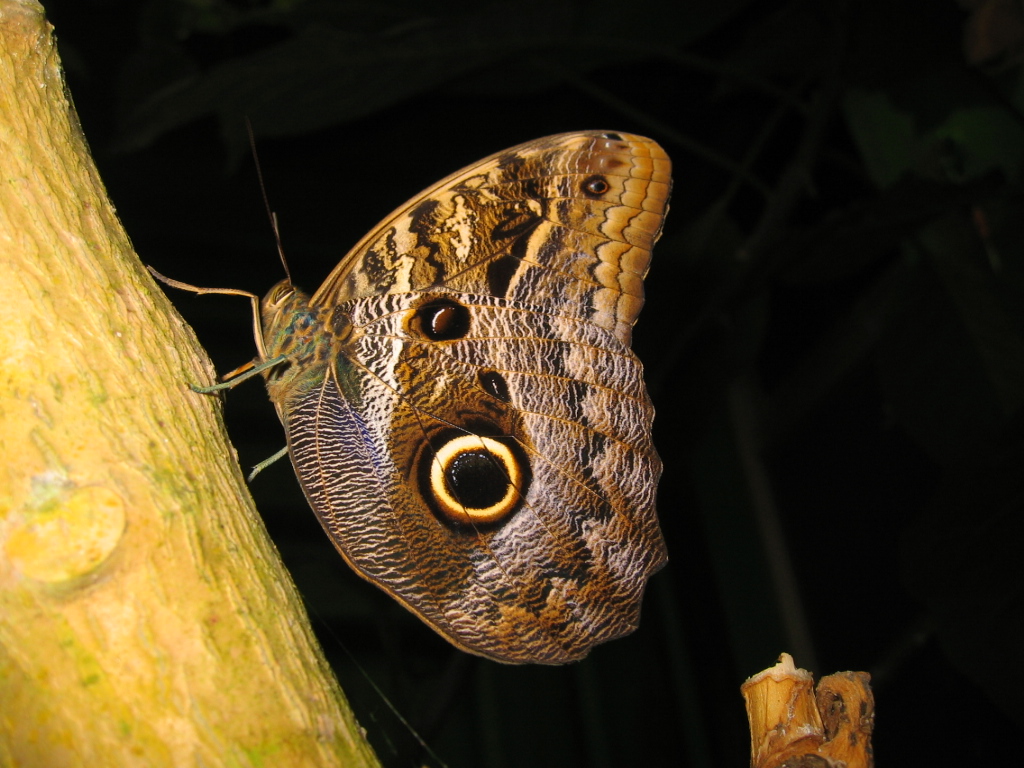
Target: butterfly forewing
x=572, y=218
x=464, y=412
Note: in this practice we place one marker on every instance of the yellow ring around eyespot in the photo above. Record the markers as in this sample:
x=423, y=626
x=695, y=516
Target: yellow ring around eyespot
x=449, y=504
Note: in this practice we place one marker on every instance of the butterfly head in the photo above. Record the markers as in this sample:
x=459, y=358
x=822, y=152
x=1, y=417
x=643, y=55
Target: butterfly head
x=291, y=328
x=280, y=297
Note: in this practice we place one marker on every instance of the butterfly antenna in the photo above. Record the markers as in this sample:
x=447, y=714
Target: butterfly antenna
x=266, y=201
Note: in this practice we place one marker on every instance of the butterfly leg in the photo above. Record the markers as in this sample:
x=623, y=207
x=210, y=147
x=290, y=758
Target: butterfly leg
x=266, y=463
x=240, y=374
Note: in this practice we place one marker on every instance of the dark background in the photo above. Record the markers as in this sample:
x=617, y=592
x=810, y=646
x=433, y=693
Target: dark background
x=834, y=331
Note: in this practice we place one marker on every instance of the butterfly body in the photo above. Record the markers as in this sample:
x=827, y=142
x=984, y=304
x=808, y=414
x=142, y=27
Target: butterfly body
x=462, y=407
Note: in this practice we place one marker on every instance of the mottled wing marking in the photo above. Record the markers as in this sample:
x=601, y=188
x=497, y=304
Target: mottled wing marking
x=569, y=569
x=519, y=226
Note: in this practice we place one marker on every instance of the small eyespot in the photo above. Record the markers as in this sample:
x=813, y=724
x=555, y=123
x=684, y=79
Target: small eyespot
x=475, y=480
x=612, y=136
x=495, y=385
x=595, y=186
x=441, y=320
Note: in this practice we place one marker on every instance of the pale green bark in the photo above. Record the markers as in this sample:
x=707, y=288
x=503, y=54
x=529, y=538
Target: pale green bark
x=145, y=618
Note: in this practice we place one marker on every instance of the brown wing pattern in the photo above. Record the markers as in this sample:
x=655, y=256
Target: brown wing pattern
x=571, y=217
x=463, y=409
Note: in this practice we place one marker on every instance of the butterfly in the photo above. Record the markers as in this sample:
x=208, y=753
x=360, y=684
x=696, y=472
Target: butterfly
x=462, y=406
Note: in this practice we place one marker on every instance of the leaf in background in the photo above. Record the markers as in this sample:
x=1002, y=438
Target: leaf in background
x=327, y=74
x=966, y=143
x=986, y=137
x=884, y=134
x=317, y=78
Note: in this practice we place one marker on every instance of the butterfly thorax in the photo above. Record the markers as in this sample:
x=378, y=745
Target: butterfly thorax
x=293, y=330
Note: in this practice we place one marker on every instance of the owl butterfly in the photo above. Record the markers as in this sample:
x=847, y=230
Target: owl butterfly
x=462, y=406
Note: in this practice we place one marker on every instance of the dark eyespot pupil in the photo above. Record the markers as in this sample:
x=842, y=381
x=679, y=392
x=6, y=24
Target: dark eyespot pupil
x=595, y=186
x=477, y=479
x=613, y=136
x=443, y=320
x=494, y=383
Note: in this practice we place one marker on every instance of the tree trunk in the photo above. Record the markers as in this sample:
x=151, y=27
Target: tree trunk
x=145, y=617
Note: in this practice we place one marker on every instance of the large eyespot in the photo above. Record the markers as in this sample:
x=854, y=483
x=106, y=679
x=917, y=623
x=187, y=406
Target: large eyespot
x=474, y=480
x=440, y=320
